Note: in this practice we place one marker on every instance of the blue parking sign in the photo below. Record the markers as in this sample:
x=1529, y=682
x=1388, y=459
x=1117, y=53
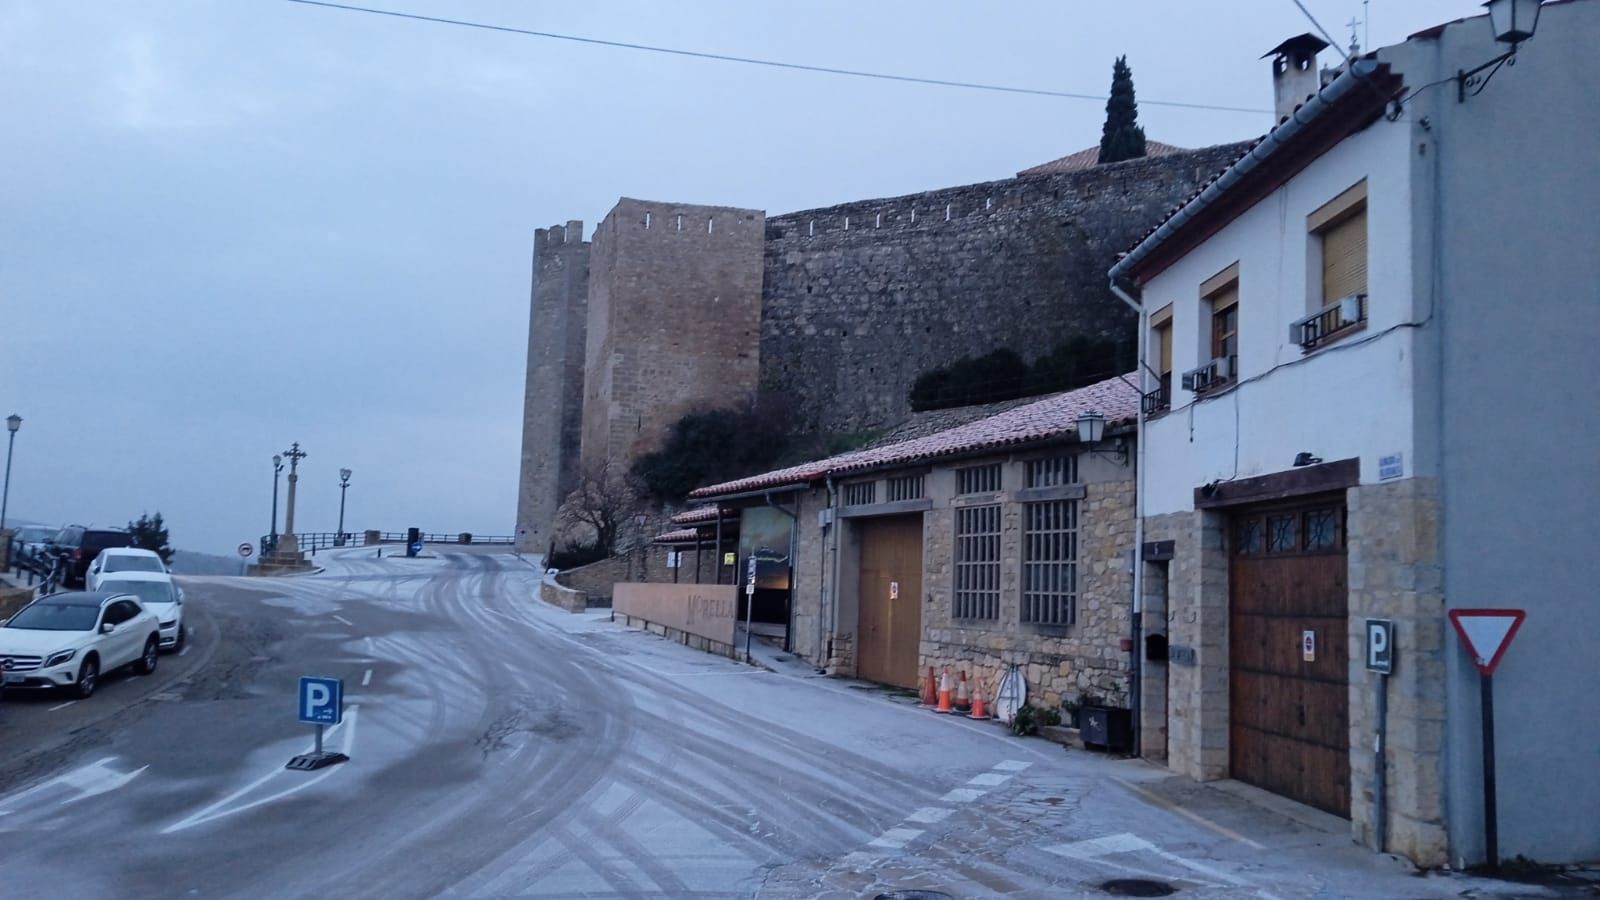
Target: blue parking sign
x=321, y=700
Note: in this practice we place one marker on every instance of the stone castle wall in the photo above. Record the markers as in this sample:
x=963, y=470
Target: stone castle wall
x=859, y=299
x=674, y=316
x=553, y=396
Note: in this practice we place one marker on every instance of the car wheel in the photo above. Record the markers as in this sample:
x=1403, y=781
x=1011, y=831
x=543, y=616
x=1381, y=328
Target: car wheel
x=88, y=677
x=152, y=652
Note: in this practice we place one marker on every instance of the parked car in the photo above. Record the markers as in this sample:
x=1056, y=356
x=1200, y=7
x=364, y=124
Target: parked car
x=67, y=640
x=31, y=540
x=157, y=593
x=117, y=560
x=78, y=546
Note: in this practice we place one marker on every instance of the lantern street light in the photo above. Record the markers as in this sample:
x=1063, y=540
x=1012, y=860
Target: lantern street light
x=344, y=485
x=277, y=469
x=1513, y=22
x=13, y=422
x=1092, y=430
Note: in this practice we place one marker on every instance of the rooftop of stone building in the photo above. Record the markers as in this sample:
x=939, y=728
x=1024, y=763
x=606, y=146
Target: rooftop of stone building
x=1051, y=419
x=1089, y=157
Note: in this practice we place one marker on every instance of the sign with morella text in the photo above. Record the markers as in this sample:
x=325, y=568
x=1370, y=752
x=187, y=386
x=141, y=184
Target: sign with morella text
x=321, y=700
x=1486, y=633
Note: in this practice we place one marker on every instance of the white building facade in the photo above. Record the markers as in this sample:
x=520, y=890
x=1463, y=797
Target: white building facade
x=1320, y=449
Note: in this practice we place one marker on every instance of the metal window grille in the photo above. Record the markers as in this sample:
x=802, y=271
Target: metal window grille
x=1052, y=471
x=977, y=593
x=860, y=493
x=978, y=479
x=1050, y=562
x=908, y=487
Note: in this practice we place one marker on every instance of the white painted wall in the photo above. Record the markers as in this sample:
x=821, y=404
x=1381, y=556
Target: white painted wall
x=1341, y=401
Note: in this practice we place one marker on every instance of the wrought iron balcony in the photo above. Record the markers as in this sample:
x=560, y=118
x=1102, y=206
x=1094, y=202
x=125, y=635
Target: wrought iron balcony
x=1159, y=399
x=1342, y=315
x=1212, y=375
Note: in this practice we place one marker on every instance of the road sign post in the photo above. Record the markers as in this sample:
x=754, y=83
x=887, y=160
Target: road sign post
x=1486, y=633
x=321, y=703
x=1380, y=659
x=245, y=549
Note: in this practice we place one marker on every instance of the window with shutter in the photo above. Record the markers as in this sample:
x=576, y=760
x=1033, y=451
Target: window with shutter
x=1344, y=257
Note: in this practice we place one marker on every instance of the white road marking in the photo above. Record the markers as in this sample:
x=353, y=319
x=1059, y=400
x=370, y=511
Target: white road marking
x=929, y=815
x=895, y=838
x=61, y=705
x=344, y=620
x=1012, y=765
x=1098, y=848
x=366, y=678
x=220, y=808
x=185, y=650
x=989, y=779
x=88, y=781
x=962, y=795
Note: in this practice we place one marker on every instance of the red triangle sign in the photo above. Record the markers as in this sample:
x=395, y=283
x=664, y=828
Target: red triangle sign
x=1486, y=633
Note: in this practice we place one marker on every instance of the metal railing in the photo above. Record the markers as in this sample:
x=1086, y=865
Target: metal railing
x=311, y=541
x=1329, y=321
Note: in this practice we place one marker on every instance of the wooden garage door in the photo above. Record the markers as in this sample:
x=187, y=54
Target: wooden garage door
x=1289, y=653
x=890, y=626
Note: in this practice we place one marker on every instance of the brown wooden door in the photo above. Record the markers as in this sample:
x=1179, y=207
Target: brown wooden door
x=1289, y=715
x=889, y=631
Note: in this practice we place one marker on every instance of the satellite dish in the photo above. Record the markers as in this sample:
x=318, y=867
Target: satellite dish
x=1009, y=697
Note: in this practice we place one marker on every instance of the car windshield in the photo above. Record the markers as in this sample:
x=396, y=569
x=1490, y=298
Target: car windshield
x=57, y=617
x=146, y=591
x=120, y=563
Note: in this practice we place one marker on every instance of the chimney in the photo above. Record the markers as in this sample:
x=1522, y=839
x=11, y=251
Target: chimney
x=1294, y=72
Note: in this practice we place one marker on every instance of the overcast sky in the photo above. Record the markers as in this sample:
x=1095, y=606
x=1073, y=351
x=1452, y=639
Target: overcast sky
x=226, y=225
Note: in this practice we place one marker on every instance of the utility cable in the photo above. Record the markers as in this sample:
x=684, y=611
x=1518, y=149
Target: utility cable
x=777, y=64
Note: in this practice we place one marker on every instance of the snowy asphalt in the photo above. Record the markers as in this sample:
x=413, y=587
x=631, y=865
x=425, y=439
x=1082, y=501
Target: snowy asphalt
x=502, y=748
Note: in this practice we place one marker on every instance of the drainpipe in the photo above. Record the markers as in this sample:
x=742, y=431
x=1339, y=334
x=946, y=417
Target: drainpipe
x=794, y=534
x=826, y=590
x=833, y=595
x=1136, y=627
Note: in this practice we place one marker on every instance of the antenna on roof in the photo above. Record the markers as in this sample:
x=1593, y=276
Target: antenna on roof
x=1355, y=41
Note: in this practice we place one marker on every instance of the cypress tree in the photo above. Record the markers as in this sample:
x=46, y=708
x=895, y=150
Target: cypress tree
x=1122, y=138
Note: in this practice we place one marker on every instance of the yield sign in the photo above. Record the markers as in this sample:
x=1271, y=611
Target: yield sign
x=1487, y=633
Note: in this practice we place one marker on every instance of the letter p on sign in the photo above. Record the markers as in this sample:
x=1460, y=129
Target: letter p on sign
x=1380, y=645
x=321, y=700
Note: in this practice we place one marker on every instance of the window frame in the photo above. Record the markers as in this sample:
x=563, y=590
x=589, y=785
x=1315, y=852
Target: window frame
x=975, y=592
x=1061, y=604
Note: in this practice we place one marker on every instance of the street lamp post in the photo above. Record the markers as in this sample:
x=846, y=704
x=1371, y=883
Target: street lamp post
x=13, y=422
x=277, y=468
x=344, y=485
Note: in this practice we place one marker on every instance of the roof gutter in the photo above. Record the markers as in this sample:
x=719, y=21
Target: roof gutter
x=1348, y=82
x=759, y=493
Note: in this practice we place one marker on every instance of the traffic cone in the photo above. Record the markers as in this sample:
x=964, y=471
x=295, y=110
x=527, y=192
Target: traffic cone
x=944, y=691
x=963, y=693
x=978, y=710
x=930, y=690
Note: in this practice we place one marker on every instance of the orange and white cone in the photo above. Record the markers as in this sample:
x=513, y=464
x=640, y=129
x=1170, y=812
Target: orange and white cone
x=978, y=709
x=944, y=691
x=963, y=693
x=930, y=690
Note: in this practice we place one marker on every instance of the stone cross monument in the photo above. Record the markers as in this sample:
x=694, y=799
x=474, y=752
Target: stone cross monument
x=287, y=555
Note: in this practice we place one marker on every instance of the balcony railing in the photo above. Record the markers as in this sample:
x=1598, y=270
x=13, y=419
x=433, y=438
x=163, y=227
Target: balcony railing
x=1212, y=375
x=1342, y=315
x=1160, y=398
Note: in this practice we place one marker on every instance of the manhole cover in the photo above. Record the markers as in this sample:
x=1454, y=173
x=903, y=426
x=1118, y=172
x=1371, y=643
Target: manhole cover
x=1137, y=887
x=915, y=895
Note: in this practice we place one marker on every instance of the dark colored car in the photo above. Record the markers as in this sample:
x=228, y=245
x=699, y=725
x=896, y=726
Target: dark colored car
x=78, y=546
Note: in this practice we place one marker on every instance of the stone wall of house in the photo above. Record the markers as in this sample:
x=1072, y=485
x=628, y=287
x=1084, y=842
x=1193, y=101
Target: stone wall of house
x=553, y=395
x=861, y=298
x=644, y=563
x=1396, y=573
x=674, y=317
x=1060, y=664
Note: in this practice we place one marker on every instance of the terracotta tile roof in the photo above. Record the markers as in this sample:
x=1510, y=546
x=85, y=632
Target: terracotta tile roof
x=1048, y=419
x=1089, y=157
x=701, y=514
x=681, y=536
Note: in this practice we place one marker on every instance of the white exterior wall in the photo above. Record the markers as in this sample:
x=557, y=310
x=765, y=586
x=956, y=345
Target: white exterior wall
x=1339, y=402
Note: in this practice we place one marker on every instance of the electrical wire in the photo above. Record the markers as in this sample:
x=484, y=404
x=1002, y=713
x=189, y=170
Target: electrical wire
x=747, y=60
x=1316, y=24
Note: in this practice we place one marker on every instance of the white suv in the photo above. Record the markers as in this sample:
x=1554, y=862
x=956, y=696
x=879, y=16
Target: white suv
x=157, y=593
x=121, y=561
x=66, y=640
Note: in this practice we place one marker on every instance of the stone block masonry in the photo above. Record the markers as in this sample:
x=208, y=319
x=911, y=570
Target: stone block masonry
x=674, y=315
x=859, y=299
x=553, y=396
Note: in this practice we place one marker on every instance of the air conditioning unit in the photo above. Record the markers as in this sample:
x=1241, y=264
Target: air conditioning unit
x=1349, y=310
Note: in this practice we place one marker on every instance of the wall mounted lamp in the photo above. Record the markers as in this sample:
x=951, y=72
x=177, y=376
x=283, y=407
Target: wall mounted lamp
x=1092, y=430
x=1513, y=22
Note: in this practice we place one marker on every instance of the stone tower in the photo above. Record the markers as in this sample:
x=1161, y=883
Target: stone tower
x=674, y=322
x=552, y=413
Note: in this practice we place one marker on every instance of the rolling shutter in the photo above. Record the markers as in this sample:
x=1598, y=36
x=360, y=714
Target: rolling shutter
x=1344, y=258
